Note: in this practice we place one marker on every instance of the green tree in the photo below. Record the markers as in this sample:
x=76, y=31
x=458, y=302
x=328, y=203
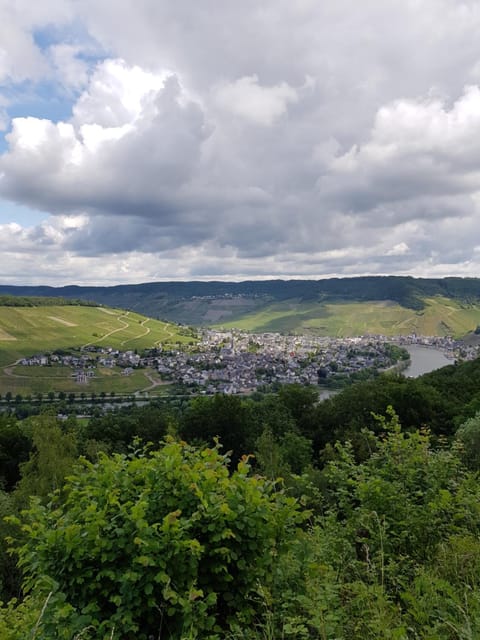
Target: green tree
x=282, y=455
x=53, y=456
x=468, y=436
x=222, y=416
x=401, y=497
x=299, y=400
x=269, y=413
x=119, y=428
x=15, y=446
x=10, y=577
x=268, y=455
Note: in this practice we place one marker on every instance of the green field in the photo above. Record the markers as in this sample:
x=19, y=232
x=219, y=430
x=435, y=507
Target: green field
x=27, y=331
x=441, y=316
x=25, y=385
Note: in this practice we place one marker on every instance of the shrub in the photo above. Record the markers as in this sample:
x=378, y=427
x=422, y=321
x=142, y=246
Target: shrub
x=156, y=542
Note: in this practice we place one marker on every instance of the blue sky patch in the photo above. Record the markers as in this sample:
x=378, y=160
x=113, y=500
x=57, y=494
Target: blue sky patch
x=11, y=212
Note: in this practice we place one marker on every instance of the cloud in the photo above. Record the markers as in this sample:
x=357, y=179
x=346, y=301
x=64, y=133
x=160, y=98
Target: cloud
x=421, y=161
x=21, y=59
x=133, y=142
x=399, y=249
x=244, y=139
x=4, y=119
x=247, y=98
x=70, y=68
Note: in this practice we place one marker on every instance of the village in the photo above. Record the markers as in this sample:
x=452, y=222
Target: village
x=238, y=362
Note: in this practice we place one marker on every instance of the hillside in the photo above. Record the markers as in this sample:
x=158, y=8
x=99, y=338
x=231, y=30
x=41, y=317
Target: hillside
x=391, y=304
x=31, y=330
x=440, y=316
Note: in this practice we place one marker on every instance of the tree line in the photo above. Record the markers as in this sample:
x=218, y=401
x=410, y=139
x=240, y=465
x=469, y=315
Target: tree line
x=42, y=301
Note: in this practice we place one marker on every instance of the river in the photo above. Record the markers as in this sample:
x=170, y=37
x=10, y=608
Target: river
x=424, y=359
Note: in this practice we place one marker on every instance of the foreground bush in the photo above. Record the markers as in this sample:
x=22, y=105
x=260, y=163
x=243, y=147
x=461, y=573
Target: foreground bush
x=160, y=544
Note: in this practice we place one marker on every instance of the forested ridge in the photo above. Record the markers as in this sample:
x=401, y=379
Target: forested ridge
x=407, y=291
x=267, y=517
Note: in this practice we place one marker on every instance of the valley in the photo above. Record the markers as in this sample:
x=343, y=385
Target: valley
x=84, y=348
x=341, y=307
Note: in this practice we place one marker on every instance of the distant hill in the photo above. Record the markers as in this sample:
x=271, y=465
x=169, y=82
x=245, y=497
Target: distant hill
x=447, y=305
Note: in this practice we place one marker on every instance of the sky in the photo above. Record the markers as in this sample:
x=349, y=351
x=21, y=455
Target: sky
x=148, y=140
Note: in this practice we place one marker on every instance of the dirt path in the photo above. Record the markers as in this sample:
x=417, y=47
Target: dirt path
x=8, y=370
x=168, y=331
x=154, y=382
x=140, y=335
x=119, y=318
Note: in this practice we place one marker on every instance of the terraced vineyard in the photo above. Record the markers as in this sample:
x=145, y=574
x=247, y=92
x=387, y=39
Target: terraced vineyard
x=27, y=331
x=441, y=316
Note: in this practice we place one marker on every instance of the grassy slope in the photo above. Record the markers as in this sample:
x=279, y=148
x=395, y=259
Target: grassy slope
x=441, y=316
x=25, y=331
